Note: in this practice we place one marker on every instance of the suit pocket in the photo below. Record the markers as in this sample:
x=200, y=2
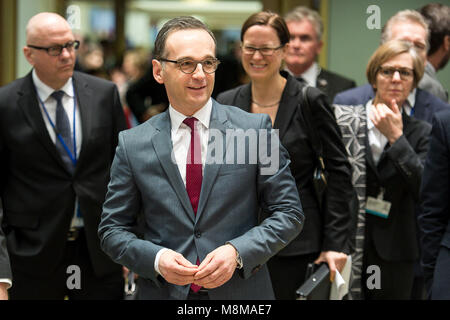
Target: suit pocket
x=20, y=220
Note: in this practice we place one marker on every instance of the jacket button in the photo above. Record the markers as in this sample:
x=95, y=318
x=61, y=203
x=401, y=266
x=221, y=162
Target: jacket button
x=198, y=234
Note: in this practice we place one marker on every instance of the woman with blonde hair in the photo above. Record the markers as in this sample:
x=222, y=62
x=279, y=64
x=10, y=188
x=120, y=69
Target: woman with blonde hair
x=387, y=150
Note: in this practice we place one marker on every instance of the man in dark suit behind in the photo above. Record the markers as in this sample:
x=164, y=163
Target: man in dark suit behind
x=306, y=28
x=58, y=134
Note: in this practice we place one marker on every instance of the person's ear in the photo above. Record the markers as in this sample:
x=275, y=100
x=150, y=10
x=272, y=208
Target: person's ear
x=158, y=71
x=446, y=43
x=28, y=53
x=319, y=47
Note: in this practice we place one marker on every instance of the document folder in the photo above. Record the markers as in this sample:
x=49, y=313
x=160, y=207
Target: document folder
x=317, y=285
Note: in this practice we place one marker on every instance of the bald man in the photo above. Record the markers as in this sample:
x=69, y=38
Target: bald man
x=58, y=134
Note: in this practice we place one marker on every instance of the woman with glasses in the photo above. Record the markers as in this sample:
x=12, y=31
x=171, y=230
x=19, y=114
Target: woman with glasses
x=325, y=235
x=388, y=149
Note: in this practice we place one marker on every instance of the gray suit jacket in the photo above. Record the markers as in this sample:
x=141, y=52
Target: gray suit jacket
x=430, y=83
x=145, y=179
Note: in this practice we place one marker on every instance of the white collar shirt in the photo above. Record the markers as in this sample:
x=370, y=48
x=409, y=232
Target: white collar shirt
x=44, y=94
x=181, y=135
x=377, y=140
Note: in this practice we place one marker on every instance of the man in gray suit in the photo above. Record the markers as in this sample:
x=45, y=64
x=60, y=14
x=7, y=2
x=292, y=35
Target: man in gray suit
x=438, y=18
x=198, y=199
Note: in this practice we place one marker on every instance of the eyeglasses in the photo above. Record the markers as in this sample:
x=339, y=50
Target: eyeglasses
x=56, y=50
x=189, y=66
x=264, y=51
x=405, y=73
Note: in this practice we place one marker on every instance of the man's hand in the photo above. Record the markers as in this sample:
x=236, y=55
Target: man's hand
x=3, y=291
x=388, y=120
x=217, y=268
x=336, y=261
x=176, y=269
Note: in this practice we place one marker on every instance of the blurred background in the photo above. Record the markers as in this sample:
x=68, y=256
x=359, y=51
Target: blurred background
x=117, y=35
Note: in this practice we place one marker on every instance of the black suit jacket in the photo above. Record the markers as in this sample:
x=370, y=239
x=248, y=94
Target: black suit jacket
x=434, y=219
x=331, y=83
x=37, y=190
x=399, y=172
x=329, y=229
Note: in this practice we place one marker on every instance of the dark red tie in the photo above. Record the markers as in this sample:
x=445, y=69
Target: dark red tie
x=194, y=173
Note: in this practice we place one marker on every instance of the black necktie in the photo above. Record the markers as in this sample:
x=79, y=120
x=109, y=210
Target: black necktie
x=301, y=80
x=63, y=128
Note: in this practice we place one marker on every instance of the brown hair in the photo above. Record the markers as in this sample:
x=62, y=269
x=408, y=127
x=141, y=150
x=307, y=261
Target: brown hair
x=389, y=50
x=267, y=18
x=176, y=24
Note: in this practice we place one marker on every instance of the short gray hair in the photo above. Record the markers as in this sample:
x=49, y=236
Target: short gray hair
x=176, y=24
x=409, y=16
x=301, y=13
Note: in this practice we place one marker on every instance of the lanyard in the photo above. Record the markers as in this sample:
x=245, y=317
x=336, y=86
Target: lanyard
x=72, y=156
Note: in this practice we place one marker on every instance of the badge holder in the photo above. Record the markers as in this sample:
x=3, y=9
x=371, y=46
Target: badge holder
x=377, y=206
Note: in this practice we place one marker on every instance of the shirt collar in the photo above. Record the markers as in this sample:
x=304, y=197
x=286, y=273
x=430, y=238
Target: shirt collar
x=429, y=67
x=44, y=91
x=412, y=98
x=310, y=75
x=203, y=115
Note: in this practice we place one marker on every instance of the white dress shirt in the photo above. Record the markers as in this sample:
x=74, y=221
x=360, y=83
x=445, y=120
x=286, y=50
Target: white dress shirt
x=408, y=105
x=181, y=141
x=44, y=92
x=310, y=75
x=377, y=140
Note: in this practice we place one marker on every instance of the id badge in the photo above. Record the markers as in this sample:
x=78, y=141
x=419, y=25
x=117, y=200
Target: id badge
x=378, y=206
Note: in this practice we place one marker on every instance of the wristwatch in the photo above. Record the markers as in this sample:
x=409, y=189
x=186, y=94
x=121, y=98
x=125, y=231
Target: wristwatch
x=238, y=260
x=238, y=257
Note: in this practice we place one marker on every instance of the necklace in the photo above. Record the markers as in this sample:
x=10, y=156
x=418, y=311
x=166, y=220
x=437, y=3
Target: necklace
x=268, y=106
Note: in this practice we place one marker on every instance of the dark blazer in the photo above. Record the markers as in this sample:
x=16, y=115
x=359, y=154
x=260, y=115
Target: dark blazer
x=399, y=172
x=331, y=83
x=322, y=231
x=425, y=106
x=37, y=190
x=434, y=219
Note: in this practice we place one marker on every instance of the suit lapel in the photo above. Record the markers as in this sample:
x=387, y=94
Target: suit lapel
x=322, y=82
x=369, y=158
x=83, y=94
x=28, y=102
x=244, y=98
x=218, y=122
x=421, y=106
x=162, y=143
x=288, y=106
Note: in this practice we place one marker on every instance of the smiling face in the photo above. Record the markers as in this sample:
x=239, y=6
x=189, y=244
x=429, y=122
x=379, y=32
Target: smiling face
x=388, y=88
x=256, y=65
x=46, y=30
x=187, y=93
